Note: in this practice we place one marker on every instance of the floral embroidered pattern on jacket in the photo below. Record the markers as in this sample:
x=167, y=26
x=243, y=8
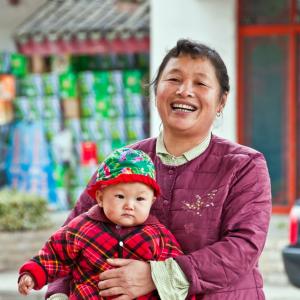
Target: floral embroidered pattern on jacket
x=198, y=205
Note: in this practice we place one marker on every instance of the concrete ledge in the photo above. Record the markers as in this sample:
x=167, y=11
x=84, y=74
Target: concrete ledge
x=19, y=246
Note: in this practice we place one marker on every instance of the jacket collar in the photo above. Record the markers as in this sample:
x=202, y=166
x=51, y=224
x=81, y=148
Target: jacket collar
x=96, y=213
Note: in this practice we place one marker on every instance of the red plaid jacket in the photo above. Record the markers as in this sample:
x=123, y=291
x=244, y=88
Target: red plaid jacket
x=82, y=247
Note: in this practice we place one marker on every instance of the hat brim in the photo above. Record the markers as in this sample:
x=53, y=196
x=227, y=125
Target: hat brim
x=123, y=178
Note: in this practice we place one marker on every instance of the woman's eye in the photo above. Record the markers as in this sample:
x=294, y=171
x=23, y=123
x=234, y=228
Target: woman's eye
x=119, y=196
x=140, y=198
x=173, y=79
x=200, y=83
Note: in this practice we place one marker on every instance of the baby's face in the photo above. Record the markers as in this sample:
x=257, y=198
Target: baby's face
x=126, y=204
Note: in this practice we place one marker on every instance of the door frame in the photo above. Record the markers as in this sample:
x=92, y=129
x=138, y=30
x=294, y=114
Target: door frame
x=291, y=31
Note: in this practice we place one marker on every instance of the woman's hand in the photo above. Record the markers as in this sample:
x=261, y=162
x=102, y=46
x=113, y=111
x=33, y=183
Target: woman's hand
x=26, y=283
x=129, y=280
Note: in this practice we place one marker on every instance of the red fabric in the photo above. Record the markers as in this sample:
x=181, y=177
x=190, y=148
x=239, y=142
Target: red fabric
x=82, y=247
x=122, y=178
x=36, y=271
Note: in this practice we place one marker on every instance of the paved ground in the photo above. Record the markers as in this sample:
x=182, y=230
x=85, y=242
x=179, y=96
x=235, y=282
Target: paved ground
x=8, y=290
x=276, y=283
x=282, y=293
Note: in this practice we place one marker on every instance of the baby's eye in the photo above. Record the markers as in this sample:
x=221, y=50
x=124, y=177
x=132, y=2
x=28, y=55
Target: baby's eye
x=140, y=198
x=119, y=196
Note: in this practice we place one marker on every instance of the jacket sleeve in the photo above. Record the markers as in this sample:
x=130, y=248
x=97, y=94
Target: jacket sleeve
x=245, y=221
x=53, y=260
x=83, y=204
x=169, y=246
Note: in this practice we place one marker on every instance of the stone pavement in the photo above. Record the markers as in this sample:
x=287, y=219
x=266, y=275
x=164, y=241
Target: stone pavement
x=276, y=283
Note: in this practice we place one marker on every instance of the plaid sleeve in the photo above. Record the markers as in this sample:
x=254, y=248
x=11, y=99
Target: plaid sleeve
x=168, y=246
x=168, y=278
x=58, y=254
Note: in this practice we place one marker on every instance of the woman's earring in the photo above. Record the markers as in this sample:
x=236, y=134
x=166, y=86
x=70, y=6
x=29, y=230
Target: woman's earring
x=219, y=114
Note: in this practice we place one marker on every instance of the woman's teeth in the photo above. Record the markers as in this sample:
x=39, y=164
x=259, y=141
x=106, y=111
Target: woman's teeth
x=183, y=107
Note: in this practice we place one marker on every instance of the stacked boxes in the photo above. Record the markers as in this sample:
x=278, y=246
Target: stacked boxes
x=29, y=164
x=134, y=103
x=11, y=65
x=92, y=100
x=7, y=94
x=4, y=143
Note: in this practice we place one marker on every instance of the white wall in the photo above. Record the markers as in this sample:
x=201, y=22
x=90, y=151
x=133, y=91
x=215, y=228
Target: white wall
x=211, y=22
x=11, y=16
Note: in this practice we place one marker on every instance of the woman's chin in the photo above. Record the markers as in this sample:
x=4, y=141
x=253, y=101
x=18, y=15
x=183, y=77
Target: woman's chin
x=181, y=126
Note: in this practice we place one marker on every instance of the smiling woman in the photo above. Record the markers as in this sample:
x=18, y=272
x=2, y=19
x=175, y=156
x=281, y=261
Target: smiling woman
x=215, y=194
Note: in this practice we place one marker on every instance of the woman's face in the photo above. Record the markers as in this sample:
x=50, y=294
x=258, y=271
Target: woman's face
x=188, y=96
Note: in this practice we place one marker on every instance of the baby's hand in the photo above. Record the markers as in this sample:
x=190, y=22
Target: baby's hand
x=26, y=284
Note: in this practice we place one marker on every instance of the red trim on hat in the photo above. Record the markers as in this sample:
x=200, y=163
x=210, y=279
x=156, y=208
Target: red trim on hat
x=124, y=178
x=36, y=271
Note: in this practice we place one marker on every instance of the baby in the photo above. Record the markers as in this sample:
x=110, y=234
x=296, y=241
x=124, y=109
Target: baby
x=120, y=225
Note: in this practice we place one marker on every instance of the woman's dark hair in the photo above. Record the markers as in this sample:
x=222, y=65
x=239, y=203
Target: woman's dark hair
x=196, y=50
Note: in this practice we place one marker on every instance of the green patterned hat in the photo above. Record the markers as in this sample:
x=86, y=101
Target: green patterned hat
x=125, y=165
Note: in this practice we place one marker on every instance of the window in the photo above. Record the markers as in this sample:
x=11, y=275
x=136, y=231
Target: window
x=265, y=12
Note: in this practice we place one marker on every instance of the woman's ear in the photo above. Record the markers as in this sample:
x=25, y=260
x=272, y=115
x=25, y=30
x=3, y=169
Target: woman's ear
x=99, y=197
x=153, y=200
x=223, y=101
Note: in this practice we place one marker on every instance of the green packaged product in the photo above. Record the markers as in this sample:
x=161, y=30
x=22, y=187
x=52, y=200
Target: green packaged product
x=132, y=81
x=37, y=108
x=28, y=108
x=68, y=85
x=22, y=108
x=102, y=105
x=88, y=106
x=61, y=174
x=134, y=129
x=50, y=84
x=103, y=83
x=117, y=130
x=116, y=106
x=52, y=108
x=134, y=105
x=51, y=128
x=103, y=90
x=104, y=148
x=86, y=81
x=94, y=129
x=30, y=85
x=18, y=64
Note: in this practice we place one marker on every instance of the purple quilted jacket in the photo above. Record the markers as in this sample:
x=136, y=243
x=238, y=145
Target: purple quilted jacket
x=218, y=206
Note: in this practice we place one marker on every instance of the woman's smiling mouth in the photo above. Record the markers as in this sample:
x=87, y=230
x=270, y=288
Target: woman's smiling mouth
x=180, y=107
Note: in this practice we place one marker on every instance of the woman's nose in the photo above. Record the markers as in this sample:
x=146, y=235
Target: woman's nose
x=185, y=90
